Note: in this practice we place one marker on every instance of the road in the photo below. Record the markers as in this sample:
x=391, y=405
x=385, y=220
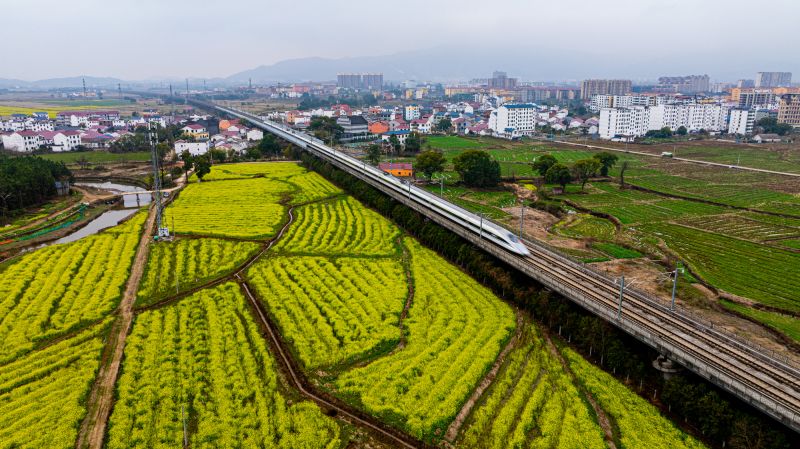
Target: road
x=682, y=159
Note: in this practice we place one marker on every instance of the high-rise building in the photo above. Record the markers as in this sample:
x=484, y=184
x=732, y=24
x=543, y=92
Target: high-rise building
x=500, y=80
x=372, y=81
x=604, y=87
x=367, y=81
x=745, y=83
x=690, y=84
x=743, y=120
x=773, y=79
x=348, y=80
x=757, y=98
x=789, y=109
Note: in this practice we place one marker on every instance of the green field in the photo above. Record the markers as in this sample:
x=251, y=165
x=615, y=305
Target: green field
x=95, y=157
x=786, y=324
x=762, y=273
x=616, y=251
x=588, y=226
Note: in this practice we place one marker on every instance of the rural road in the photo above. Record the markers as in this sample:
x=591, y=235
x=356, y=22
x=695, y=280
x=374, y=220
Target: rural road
x=693, y=161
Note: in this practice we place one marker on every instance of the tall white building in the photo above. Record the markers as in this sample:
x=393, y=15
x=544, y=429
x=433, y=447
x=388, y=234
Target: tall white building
x=635, y=121
x=599, y=102
x=411, y=112
x=743, y=120
x=513, y=120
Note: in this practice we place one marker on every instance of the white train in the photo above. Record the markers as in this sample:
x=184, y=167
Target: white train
x=483, y=228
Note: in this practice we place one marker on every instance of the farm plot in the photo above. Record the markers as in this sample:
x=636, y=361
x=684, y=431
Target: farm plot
x=335, y=311
x=640, y=424
x=456, y=329
x=245, y=208
x=339, y=227
x=42, y=394
x=204, y=356
x=311, y=187
x=532, y=403
x=248, y=170
x=762, y=273
x=742, y=227
x=661, y=210
x=54, y=290
x=588, y=226
x=177, y=266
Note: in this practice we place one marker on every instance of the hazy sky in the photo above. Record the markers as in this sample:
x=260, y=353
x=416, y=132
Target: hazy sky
x=202, y=38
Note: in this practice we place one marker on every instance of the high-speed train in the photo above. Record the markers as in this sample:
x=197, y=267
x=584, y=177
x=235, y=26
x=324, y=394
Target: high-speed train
x=485, y=229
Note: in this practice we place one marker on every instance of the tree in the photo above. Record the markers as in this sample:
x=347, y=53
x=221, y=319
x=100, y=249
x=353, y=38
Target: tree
x=326, y=129
x=607, y=160
x=188, y=162
x=374, y=154
x=202, y=166
x=429, y=162
x=770, y=125
x=444, y=125
x=622, y=174
x=395, y=143
x=269, y=146
x=584, y=169
x=558, y=174
x=414, y=143
x=218, y=155
x=543, y=163
x=682, y=131
x=663, y=133
x=477, y=169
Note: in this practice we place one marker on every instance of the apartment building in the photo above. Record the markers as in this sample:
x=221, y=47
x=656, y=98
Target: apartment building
x=604, y=87
x=773, y=79
x=513, y=120
x=690, y=84
x=635, y=121
x=742, y=121
x=789, y=109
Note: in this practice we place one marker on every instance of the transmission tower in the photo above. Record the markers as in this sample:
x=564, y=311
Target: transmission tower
x=162, y=231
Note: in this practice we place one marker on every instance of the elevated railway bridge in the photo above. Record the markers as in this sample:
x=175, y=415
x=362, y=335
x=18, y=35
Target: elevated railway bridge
x=756, y=376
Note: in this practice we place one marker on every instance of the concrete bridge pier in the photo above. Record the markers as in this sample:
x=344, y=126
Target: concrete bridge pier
x=667, y=367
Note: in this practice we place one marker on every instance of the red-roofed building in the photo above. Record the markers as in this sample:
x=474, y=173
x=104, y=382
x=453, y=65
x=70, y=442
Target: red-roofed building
x=399, y=169
x=378, y=127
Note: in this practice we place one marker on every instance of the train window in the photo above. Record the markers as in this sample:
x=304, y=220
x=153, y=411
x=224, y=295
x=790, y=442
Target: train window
x=513, y=238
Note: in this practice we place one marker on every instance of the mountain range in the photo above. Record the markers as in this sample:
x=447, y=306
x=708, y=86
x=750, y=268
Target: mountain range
x=453, y=63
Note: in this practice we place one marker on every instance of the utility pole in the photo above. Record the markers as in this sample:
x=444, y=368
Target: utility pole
x=621, y=291
x=84, y=87
x=521, y=216
x=119, y=89
x=480, y=235
x=250, y=83
x=675, y=286
x=187, y=90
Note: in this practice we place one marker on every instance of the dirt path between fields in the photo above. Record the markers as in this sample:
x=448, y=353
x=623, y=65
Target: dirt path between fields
x=602, y=418
x=458, y=422
x=92, y=431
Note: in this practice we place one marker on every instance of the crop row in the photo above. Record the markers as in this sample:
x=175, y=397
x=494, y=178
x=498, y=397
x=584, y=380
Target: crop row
x=275, y=170
x=333, y=311
x=311, y=187
x=246, y=208
x=630, y=213
x=742, y=227
x=640, y=424
x=203, y=361
x=762, y=273
x=42, y=394
x=51, y=291
x=339, y=227
x=456, y=329
x=533, y=403
x=177, y=266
